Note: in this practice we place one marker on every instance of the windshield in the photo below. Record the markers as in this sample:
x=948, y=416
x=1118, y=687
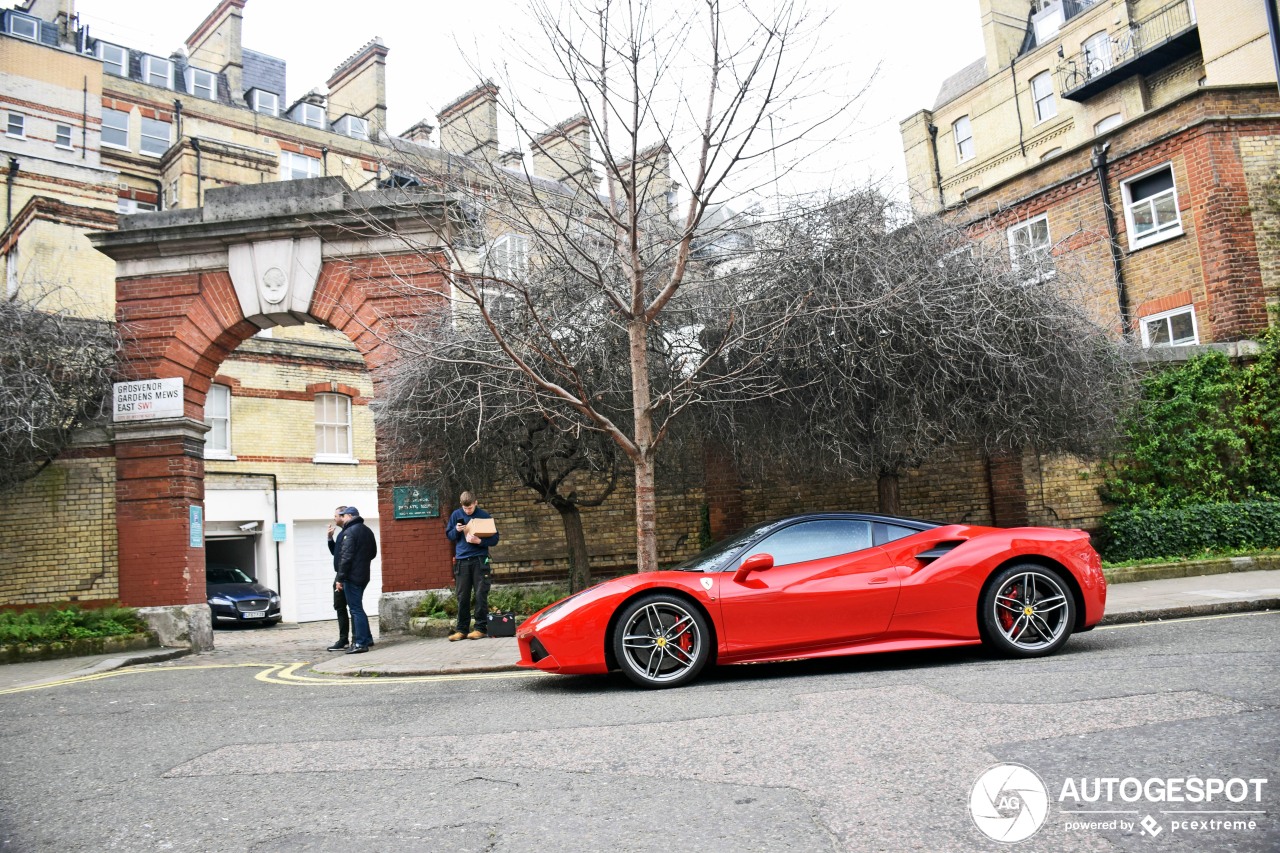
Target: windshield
x=713, y=558
x=225, y=574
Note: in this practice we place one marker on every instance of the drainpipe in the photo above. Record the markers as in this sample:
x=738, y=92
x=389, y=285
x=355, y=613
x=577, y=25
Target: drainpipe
x=1099, y=163
x=324, y=160
x=1017, y=104
x=8, y=200
x=1273, y=26
x=195, y=144
x=177, y=118
x=937, y=168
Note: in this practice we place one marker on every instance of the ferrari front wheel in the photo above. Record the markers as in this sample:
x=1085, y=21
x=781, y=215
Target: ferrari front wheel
x=661, y=640
x=1027, y=611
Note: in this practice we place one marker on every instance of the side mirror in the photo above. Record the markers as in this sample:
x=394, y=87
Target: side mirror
x=754, y=563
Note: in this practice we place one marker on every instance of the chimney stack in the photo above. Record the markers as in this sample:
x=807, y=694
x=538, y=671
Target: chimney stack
x=469, y=125
x=419, y=133
x=358, y=87
x=563, y=153
x=215, y=45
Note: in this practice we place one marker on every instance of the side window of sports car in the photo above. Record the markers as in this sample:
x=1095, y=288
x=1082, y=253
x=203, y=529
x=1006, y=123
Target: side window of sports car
x=813, y=540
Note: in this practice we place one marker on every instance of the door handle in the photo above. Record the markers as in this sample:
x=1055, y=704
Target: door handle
x=874, y=581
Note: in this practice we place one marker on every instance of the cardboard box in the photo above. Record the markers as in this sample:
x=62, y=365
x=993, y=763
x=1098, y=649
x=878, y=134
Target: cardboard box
x=482, y=527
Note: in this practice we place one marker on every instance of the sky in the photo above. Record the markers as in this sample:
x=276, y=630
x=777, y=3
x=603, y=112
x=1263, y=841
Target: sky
x=905, y=56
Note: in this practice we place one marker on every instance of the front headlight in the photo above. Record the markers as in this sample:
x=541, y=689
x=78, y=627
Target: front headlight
x=219, y=600
x=275, y=599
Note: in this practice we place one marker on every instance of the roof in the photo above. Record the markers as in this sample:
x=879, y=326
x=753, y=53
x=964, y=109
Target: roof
x=962, y=81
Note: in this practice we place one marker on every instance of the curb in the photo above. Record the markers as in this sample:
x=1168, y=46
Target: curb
x=149, y=656
x=1189, y=610
x=408, y=671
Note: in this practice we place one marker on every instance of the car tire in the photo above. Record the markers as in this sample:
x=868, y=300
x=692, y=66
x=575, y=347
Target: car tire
x=1027, y=611
x=661, y=640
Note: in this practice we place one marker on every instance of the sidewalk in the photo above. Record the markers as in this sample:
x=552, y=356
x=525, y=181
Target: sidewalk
x=1142, y=601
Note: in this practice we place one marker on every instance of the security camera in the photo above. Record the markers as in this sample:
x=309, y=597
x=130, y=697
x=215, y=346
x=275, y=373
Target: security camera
x=249, y=526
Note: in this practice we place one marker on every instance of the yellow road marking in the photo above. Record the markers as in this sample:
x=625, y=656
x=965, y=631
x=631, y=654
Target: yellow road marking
x=279, y=673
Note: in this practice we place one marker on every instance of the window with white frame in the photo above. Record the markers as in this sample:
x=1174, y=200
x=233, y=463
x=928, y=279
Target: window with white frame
x=265, y=102
x=311, y=115
x=333, y=428
x=62, y=136
x=17, y=126
x=356, y=128
x=962, y=130
x=1151, y=207
x=24, y=26
x=217, y=415
x=1174, y=328
x=155, y=136
x=202, y=84
x=1030, y=248
x=126, y=206
x=509, y=257
x=294, y=166
x=1042, y=94
x=115, y=128
x=1097, y=54
x=157, y=71
x=1107, y=123
x=115, y=59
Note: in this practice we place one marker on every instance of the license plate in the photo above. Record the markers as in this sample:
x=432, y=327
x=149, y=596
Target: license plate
x=254, y=614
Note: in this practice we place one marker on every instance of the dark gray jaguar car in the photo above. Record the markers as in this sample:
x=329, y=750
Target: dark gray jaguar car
x=236, y=597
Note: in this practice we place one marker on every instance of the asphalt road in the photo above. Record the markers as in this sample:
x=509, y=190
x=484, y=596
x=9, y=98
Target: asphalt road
x=866, y=753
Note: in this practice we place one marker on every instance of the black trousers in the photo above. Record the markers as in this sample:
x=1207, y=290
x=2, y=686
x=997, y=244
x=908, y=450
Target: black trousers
x=344, y=619
x=471, y=576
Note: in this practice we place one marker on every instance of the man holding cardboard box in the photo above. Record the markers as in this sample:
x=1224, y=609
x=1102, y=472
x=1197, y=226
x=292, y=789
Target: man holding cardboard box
x=473, y=533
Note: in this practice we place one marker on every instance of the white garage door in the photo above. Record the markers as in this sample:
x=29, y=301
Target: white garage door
x=313, y=567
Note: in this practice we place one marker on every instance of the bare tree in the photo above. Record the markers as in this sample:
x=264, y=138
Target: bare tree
x=916, y=339
x=55, y=378
x=583, y=294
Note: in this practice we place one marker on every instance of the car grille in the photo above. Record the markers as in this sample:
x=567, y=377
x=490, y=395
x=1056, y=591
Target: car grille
x=537, y=651
x=251, y=604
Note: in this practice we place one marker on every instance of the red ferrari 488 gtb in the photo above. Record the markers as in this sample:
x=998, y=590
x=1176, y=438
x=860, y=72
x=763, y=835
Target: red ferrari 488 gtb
x=824, y=584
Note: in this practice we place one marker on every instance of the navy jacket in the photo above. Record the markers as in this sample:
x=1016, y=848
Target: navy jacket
x=357, y=552
x=462, y=548
x=335, y=545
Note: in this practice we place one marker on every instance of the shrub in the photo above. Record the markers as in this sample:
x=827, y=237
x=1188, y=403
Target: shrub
x=521, y=600
x=61, y=623
x=1203, y=529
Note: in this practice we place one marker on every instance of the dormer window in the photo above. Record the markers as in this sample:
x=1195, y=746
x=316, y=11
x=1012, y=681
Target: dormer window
x=23, y=26
x=264, y=102
x=356, y=128
x=312, y=115
x=1048, y=21
x=157, y=71
x=202, y=84
x=115, y=59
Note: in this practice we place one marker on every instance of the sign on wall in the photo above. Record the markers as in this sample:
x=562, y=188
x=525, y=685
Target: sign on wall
x=196, y=516
x=279, y=533
x=149, y=399
x=415, y=502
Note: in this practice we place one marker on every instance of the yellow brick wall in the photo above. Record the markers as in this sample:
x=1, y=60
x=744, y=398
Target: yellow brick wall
x=82, y=279
x=61, y=544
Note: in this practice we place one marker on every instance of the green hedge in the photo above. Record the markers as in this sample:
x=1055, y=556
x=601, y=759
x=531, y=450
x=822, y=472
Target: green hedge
x=1138, y=534
x=64, y=623
x=521, y=600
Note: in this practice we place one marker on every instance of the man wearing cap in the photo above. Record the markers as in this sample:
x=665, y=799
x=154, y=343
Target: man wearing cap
x=354, y=556
x=339, y=598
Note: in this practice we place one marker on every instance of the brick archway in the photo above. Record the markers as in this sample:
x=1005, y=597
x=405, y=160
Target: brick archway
x=183, y=311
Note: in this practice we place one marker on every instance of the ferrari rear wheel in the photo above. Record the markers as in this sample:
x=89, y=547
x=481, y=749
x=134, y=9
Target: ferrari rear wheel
x=661, y=641
x=1028, y=611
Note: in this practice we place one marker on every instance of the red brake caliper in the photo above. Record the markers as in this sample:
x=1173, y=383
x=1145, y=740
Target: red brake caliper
x=1011, y=599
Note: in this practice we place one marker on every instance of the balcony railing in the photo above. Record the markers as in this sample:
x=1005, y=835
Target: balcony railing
x=1163, y=36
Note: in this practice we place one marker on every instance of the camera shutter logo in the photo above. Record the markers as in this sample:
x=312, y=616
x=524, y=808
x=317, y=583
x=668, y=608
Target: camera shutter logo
x=1009, y=803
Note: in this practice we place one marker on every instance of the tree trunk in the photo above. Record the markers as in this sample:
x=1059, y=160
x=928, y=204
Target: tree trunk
x=646, y=501
x=579, y=563
x=887, y=489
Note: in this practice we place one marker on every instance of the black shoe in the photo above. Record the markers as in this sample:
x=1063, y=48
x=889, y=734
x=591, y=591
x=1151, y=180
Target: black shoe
x=337, y=647
x=357, y=650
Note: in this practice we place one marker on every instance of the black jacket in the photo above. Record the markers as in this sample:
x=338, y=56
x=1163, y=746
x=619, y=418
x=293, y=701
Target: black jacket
x=356, y=552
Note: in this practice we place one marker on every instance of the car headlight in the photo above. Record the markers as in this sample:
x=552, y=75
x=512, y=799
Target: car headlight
x=275, y=599
x=557, y=610
x=218, y=599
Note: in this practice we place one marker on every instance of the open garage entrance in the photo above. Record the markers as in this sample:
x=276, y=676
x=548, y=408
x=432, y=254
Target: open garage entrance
x=192, y=287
